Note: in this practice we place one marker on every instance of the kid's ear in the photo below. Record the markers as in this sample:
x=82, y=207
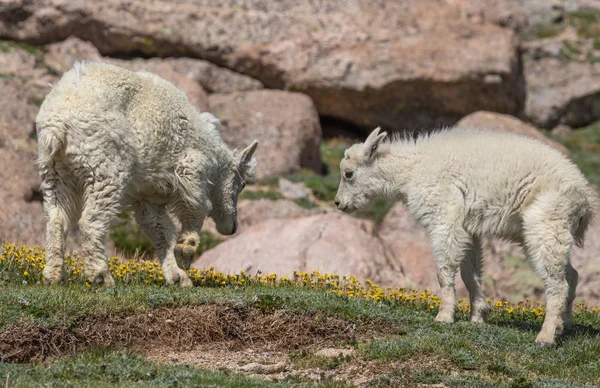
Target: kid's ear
x=373, y=141
x=247, y=162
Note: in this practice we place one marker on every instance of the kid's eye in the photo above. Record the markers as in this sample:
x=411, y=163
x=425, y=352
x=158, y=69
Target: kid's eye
x=349, y=174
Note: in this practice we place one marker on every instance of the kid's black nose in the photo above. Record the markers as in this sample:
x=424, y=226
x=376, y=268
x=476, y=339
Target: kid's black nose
x=337, y=203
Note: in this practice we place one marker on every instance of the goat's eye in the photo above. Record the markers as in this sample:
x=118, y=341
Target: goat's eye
x=349, y=174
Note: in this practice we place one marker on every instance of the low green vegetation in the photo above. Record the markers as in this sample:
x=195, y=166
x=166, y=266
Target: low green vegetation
x=8, y=45
x=207, y=241
x=110, y=368
x=324, y=186
x=587, y=26
x=260, y=194
x=131, y=241
x=128, y=237
x=585, y=22
x=584, y=145
x=392, y=334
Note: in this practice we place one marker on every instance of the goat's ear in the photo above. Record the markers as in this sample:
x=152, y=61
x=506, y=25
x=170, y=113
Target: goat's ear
x=246, y=161
x=373, y=141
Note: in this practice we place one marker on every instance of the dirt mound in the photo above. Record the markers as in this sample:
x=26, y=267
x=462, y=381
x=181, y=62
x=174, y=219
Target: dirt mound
x=175, y=329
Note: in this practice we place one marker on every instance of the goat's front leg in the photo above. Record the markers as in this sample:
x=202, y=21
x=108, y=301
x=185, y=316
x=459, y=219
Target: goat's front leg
x=185, y=249
x=449, y=246
x=156, y=224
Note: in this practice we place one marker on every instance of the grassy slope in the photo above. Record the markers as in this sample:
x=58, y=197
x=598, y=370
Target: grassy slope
x=456, y=354
x=405, y=343
x=107, y=368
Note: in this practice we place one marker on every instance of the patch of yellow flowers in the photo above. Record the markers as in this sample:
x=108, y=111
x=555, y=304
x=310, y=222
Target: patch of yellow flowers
x=28, y=262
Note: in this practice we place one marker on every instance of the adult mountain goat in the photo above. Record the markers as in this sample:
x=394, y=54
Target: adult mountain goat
x=111, y=139
x=463, y=184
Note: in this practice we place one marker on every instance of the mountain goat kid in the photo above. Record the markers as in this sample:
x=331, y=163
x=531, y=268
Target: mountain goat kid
x=464, y=184
x=110, y=140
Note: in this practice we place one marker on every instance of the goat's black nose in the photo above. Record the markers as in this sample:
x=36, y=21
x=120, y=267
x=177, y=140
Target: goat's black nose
x=337, y=203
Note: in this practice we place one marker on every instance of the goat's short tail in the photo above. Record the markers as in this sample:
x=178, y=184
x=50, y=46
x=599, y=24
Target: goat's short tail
x=52, y=138
x=584, y=212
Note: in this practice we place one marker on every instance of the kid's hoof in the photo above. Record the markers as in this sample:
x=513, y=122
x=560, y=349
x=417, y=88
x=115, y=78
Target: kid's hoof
x=179, y=277
x=478, y=319
x=545, y=345
x=104, y=280
x=544, y=340
x=445, y=318
x=50, y=282
x=185, y=281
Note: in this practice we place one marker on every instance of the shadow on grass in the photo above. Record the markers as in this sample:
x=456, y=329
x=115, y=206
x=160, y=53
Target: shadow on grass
x=574, y=332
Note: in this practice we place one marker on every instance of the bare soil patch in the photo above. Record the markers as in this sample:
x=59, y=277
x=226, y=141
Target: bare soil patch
x=259, y=362
x=226, y=327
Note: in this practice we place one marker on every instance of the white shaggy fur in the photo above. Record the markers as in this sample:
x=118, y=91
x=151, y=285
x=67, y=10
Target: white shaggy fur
x=463, y=184
x=111, y=139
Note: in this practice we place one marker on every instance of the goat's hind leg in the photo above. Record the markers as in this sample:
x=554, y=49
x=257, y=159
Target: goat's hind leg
x=59, y=206
x=102, y=204
x=548, y=243
x=470, y=271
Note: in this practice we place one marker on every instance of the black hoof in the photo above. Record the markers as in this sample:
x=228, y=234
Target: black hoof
x=176, y=278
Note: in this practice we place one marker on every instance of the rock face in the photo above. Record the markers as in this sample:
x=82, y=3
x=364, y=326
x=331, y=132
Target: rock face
x=61, y=57
x=562, y=92
x=294, y=191
x=24, y=84
x=408, y=245
x=541, y=11
x=331, y=242
x=286, y=124
x=214, y=79
x=252, y=212
x=399, y=64
x=561, y=70
x=506, y=123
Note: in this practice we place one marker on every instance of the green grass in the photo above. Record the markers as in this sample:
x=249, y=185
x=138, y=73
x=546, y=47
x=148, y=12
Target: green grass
x=207, y=241
x=109, y=368
x=128, y=237
x=8, y=45
x=584, y=145
x=131, y=241
x=586, y=23
x=545, y=30
x=260, y=194
x=401, y=339
x=471, y=354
